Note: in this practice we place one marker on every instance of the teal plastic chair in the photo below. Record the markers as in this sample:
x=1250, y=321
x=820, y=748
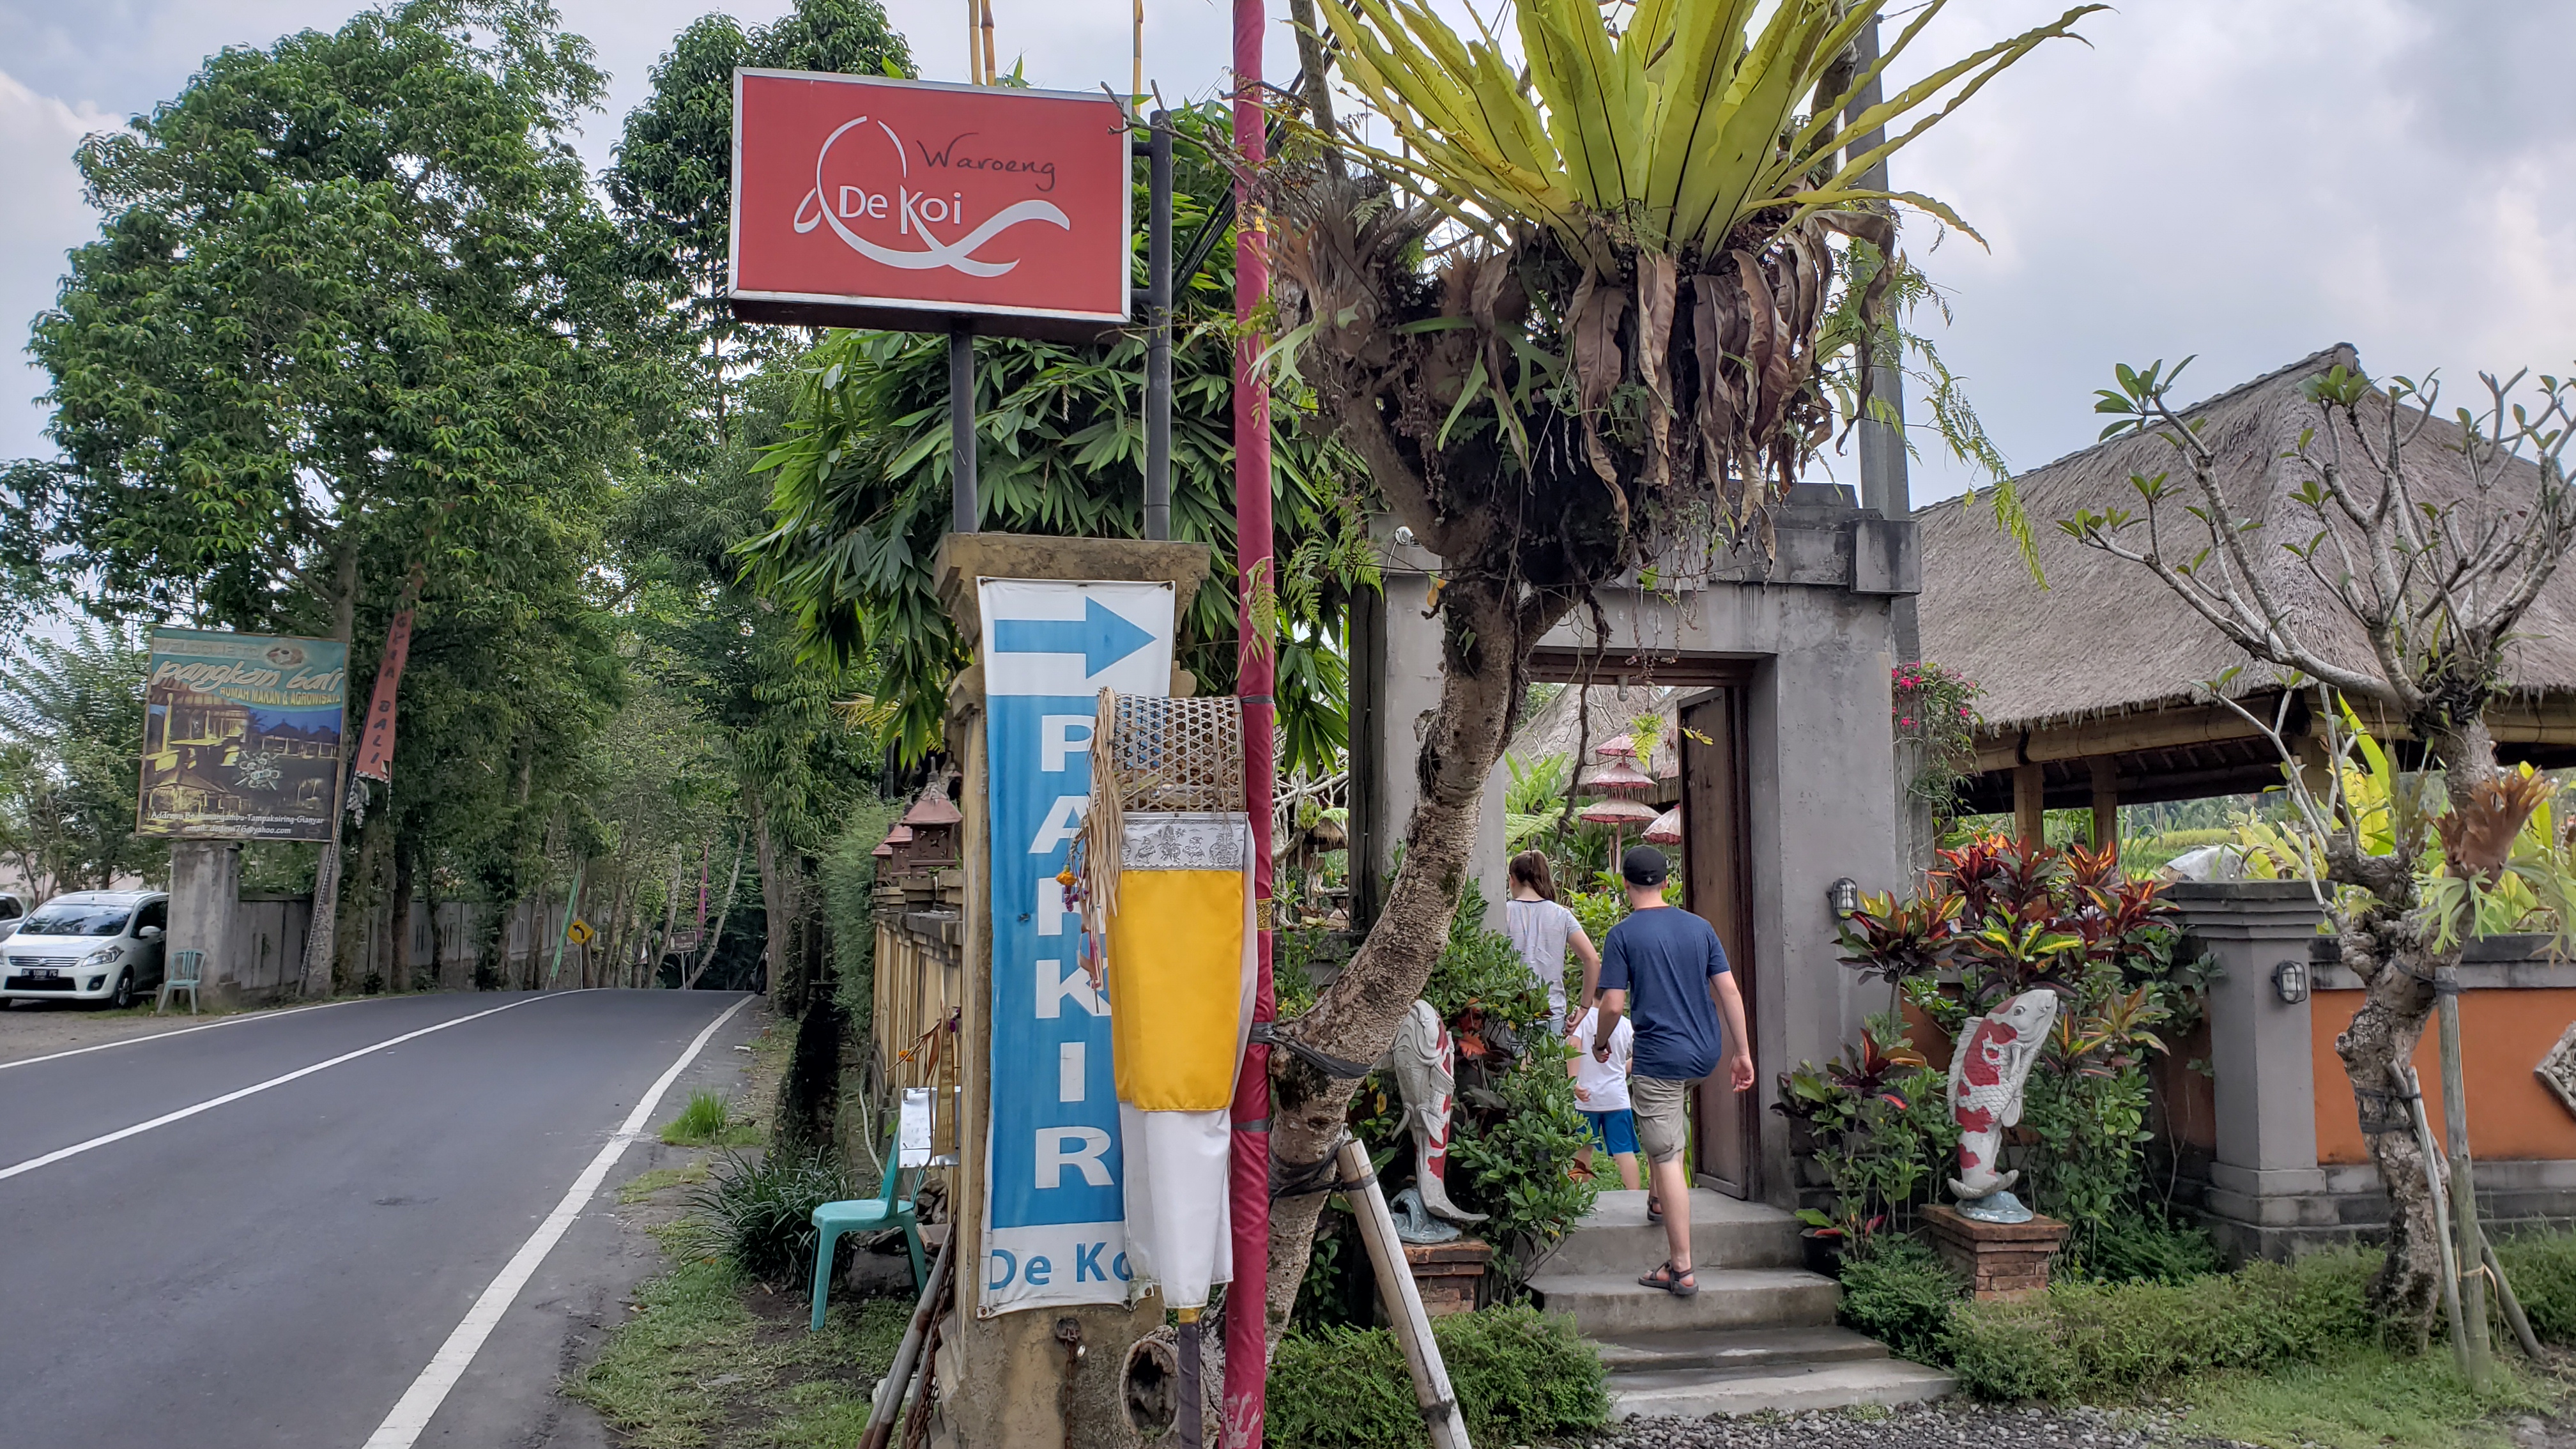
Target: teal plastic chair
x=865, y=1215
x=181, y=974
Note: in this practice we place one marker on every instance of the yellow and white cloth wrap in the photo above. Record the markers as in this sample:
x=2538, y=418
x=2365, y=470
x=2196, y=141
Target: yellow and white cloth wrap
x=1182, y=972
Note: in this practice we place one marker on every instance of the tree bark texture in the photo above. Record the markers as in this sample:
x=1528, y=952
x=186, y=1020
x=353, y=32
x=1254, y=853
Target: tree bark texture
x=398, y=967
x=363, y=891
x=1488, y=631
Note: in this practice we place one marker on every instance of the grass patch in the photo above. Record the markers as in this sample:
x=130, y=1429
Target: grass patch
x=2364, y=1399
x=708, y=1121
x=708, y=1357
x=658, y=1179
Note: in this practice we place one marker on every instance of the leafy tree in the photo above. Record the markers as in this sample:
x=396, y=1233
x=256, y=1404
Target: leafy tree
x=862, y=491
x=673, y=181
x=71, y=746
x=1575, y=317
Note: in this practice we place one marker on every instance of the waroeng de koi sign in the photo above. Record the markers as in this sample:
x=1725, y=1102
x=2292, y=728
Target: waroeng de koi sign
x=241, y=736
x=897, y=204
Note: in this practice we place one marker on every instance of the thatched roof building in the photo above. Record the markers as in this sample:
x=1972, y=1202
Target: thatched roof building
x=1559, y=728
x=2091, y=684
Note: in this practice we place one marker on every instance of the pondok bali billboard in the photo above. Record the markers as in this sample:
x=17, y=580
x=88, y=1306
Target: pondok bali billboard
x=242, y=736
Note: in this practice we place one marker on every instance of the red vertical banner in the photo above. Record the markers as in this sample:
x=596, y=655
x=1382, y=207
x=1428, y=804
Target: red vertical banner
x=376, y=742
x=1246, y=1301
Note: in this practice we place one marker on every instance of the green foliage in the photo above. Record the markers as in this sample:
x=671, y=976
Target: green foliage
x=862, y=493
x=757, y=1214
x=2542, y=1269
x=849, y=898
x=1597, y=911
x=2095, y=1342
x=2365, y=1399
x=71, y=741
x=1520, y=1375
x=1999, y=919
x=1479, y=971
x=708, y=1121
x=1900, y=1292
x=1877, y=1128
x=2139, y=1243
x=1931, y=705
x=673, y=181
x=1510, y=1160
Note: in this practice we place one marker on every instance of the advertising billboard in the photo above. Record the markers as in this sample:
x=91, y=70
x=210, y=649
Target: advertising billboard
x=241, y=736
x=869, y=202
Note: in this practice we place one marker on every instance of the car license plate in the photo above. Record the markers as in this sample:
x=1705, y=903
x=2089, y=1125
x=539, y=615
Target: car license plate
x=45, y=973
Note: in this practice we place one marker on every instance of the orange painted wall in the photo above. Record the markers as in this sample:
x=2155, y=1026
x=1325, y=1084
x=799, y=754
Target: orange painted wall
x=2503, y=1036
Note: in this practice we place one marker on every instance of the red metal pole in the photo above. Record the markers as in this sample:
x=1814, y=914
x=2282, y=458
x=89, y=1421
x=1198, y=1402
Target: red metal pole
x=1246, y=1354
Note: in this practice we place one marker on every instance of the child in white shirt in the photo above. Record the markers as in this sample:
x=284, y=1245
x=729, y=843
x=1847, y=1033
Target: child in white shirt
x=1602, y=1089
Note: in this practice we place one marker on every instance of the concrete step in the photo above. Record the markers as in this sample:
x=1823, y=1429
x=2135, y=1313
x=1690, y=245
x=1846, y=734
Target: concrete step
x=1782, y=1389
x=1609, y=1305
x=1733, y=1349
x=1726, y=1232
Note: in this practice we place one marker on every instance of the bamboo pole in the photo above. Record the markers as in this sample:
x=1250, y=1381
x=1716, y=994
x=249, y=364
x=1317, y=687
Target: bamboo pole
x=2464, y=1186
x=2513, y=1315
x=888, y=1406
x=2413, y=1091
x=992, y=72
x=974, y=54
x=1431, y=1390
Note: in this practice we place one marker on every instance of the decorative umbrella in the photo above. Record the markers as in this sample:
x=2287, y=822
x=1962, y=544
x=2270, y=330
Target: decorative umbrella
x=1617, y=776
x=1667, y=829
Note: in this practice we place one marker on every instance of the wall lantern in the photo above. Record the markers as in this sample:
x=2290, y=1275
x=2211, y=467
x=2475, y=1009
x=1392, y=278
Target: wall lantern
x=1844, y=896
x=2290, y=980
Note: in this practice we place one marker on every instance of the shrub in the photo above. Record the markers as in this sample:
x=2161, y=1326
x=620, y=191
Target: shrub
x=2094, y=1341
x=701, y=1122
x=1512, y=1165
x=758, y=1214
x=1899, y=1292
x=2542, y=1269
x=1519, y=1375
x=2141, y=1245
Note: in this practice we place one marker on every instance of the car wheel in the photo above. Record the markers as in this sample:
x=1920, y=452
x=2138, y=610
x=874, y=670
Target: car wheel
x=124, y=996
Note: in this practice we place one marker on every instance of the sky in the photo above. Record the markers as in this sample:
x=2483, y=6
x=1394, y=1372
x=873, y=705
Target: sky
x=2243, y=180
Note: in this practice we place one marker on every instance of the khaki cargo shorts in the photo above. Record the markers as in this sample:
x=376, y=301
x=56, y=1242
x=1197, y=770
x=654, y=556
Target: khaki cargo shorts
x=1663, y=1119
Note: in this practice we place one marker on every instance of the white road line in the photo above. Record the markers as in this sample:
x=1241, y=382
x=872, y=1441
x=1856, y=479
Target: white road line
x=211, y=1103
x=183, y=1031
x=411, y=1414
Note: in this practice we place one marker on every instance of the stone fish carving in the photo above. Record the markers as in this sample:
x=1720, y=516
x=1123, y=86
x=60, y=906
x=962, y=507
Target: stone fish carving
x=1986, y=1077
x=1425, y=1063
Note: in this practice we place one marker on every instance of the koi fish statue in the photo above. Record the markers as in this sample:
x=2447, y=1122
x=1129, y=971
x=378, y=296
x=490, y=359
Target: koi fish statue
x=1425, y=1063
x=1986, y=1076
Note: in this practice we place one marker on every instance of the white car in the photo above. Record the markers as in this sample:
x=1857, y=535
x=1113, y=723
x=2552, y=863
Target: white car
x=12, y=911
x=95, y=946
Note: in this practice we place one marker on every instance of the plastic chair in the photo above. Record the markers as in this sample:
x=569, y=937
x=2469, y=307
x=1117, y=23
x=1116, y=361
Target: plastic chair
x=865, y=1215
x=181, y=974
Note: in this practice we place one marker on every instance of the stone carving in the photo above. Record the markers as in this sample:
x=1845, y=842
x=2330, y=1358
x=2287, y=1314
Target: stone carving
x=1425, y=1063
x=1986, y=1076
x=2557, y=1069
x=1414, y=1222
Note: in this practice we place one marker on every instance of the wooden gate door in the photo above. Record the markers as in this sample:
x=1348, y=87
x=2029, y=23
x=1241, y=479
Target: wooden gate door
x=1718, y=876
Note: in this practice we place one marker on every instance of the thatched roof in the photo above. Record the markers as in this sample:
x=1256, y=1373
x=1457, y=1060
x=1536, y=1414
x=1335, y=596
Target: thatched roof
x=1555, y=728
x=2106, y=637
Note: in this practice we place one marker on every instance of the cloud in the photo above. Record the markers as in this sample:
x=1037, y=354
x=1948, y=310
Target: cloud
x=47, y=219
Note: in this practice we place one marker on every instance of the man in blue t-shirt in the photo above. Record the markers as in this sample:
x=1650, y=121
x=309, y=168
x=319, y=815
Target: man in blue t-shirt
x=1672, y=964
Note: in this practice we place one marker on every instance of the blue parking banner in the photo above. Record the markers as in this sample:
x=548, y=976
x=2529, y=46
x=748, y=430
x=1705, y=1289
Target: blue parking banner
x=1054, y=1205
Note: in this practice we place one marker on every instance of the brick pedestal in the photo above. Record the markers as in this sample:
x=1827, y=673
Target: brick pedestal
x=1447, y=1274
x=2002, y=1260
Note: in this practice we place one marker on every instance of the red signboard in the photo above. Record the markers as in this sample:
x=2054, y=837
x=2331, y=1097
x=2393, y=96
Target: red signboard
x=872, y=202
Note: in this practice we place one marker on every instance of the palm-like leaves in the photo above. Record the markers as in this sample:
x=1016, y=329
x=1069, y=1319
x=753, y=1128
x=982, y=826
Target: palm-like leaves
x=1668, y=135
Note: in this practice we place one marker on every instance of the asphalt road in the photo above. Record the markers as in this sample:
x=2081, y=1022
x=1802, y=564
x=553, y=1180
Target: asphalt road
x=282, y=1268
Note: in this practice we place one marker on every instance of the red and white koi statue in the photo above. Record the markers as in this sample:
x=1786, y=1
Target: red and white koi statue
x=1426, y=1075
x=1986, y=1076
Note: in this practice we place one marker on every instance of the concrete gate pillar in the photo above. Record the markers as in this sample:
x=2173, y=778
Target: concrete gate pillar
x=2264, y=1182
x=205, y=890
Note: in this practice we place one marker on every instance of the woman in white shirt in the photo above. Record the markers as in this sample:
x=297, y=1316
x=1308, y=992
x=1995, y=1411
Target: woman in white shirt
x=1542, y=930
x=1601, y=1090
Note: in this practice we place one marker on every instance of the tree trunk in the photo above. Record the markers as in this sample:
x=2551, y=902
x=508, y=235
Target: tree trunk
x=778, y=900
x=398, y=968
x=2389, y=947
x=321, y=939
x=363, y=892
x=652, y=972
x=1486, y=639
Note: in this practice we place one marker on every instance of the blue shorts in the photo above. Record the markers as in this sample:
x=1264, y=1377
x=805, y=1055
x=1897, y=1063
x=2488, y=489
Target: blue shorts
x=1615, y=1131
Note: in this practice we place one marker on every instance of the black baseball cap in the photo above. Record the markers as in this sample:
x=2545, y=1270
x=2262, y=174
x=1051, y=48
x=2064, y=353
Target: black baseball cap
x=1643, y=865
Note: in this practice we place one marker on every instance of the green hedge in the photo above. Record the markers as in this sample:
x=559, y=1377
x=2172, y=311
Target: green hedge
x=1519, y=1374
x=2094, y=1341
x=2542, y=1269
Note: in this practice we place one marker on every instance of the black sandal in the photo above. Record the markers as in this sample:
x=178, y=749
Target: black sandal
x=1654, y=1211
x=1683, y=1284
